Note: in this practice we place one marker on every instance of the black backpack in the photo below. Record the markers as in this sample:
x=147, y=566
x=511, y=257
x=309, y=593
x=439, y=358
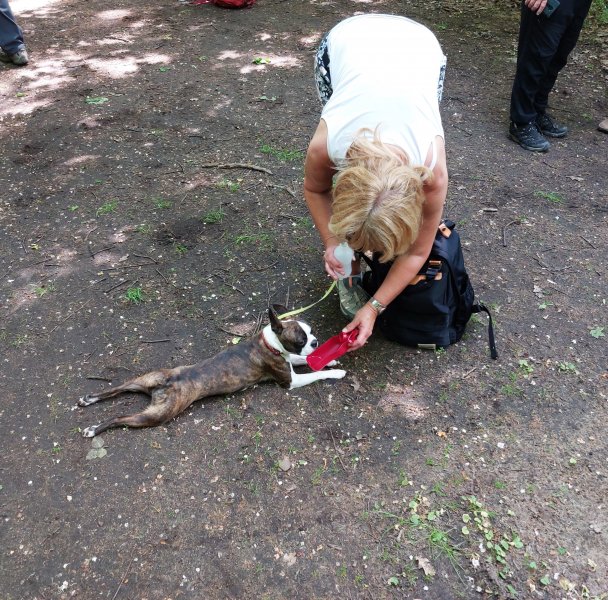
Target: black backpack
x=433, y=310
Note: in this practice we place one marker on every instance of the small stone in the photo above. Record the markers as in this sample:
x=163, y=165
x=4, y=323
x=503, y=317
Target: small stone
x=285, y=464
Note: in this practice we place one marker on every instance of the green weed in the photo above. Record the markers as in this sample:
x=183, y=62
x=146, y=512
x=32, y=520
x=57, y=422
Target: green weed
x=282, y=154
x=597, y=332
x=227, y=184
x=213, y=216
x=551, y=196
x=43, y=290
x=162, y=203
x=107, y=208
x=567, y=367
x=257, y=239
x=134, y=295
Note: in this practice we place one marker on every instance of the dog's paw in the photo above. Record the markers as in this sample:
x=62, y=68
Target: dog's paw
x=333, y=363
x=87, y=400
x=336, y=373
x=89, y=432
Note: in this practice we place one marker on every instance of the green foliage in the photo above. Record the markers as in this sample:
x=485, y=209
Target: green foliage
x=282, y=154
x=598, y=14
x=135, y=295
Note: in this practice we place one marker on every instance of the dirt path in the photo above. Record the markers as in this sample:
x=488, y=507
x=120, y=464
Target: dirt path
x=123, y=249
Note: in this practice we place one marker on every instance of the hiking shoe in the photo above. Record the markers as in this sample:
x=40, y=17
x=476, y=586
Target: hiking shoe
x=352, y=295
x=528, y=137
x=549, y=127
x=19, y=58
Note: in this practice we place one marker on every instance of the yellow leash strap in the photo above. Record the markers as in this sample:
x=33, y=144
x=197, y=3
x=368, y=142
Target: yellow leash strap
x=297, y=311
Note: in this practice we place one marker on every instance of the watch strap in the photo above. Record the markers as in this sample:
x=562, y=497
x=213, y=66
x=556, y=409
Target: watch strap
x=377, y=305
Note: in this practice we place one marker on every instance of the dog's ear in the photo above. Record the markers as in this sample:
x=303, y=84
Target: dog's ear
x=280, y=309
x=275, y=322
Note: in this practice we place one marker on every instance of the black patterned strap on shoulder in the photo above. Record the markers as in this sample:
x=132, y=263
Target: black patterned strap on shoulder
x=362, y=255
x=477, y=308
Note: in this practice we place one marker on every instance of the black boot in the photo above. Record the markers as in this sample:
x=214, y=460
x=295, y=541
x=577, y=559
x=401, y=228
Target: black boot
x=529, y=137
x=549, y=127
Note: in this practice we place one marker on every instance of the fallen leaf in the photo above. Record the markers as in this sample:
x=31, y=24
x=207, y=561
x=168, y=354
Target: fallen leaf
x=426, y=566
x=566, y=585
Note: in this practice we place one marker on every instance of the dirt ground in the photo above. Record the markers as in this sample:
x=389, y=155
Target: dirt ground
x=125, y=246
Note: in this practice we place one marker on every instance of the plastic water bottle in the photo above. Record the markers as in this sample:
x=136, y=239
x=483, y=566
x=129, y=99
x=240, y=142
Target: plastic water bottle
x=345, y=254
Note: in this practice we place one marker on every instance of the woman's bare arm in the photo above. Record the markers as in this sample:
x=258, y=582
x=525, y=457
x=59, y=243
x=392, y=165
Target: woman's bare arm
x=318, y=181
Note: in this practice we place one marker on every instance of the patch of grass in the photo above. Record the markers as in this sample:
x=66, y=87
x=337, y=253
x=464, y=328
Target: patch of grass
x=317, y=475
x=567, y=367
x=181, y=249
x=107, y=208
x=526, y=368
x=42, y=290
x=511, y=390
x=20, y=340
x=227, y=184
x=162, y=203
x=496, y=544
x=551, y=196
x=305, y=223
x=254, y=239
x=213, y=216
x=599, y=12
x=144, y=228
x=283, y=154
x=134, y=295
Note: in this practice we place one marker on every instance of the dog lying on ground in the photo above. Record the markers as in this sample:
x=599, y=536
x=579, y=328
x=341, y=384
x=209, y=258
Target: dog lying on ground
x=271, y=355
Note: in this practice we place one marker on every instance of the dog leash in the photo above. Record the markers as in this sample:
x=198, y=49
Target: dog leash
x=297, y=311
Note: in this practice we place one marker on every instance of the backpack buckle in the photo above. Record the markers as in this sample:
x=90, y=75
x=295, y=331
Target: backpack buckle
x=433, y=267
x=445, y=231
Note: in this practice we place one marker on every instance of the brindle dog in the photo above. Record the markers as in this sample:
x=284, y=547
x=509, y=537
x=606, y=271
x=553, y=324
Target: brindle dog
x=270, y=355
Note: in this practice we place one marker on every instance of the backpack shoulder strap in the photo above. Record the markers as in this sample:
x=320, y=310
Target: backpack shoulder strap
x=477, y=308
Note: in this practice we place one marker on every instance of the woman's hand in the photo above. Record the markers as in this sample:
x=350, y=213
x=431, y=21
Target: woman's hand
x=364, y=320
x=332, y=265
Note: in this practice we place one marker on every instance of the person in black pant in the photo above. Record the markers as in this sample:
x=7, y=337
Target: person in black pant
x=12, y=46
x=545, y=41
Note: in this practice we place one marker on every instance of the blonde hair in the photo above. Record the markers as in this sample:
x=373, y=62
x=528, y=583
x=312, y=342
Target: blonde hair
x=377, y=199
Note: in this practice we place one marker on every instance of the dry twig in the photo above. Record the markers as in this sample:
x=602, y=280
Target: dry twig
x=236, y=166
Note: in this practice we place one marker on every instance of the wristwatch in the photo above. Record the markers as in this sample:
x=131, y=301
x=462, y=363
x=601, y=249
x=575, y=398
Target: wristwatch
x=377, y=305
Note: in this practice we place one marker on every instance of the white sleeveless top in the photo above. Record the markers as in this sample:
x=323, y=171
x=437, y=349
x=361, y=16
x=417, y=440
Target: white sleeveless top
x=384, y=73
